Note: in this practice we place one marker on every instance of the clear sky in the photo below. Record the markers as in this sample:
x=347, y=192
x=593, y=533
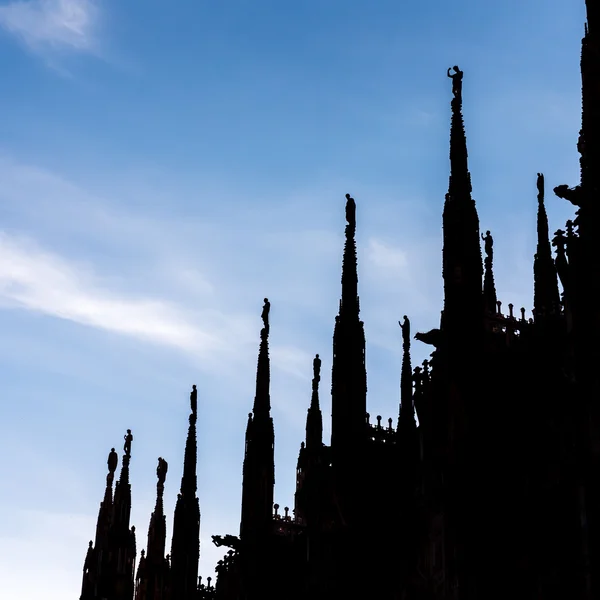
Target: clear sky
x=166, y=165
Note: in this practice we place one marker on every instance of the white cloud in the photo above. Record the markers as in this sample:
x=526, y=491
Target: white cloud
x=54, y=23
x=36, y=280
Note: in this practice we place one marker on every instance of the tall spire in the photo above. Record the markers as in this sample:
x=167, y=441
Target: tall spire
x=95, y=566
x=589, y=138
x=185, y=548
x=459, y=187
x=348, y=374
x=406, y=421
x=259, y=460
x=153, y=568
x=462, y=265
x=489, y=287
x=122, y=543
x=314, y=418
x=546, y=297
x=262, y=399
x=158, y=525
x=349, y=304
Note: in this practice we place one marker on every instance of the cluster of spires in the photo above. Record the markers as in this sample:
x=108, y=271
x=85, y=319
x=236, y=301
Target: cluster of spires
x=112, y=555
x=110, y=561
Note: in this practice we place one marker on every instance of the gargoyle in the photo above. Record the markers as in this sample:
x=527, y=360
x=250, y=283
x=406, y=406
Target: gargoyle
x=573, y=195
x=431, y=337
x=230, y=541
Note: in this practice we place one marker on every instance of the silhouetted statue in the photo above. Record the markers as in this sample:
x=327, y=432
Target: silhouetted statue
x=317, y=368
x=405, y=330
x=489, y=244
x=113, y=461
x=128, y=439
x=88, y=557
x=432, y=337
x=540, y=186
x=573, y=195
x=265, y=313
x=456, y=77
x=194, y=400
x=161, y=470
x=350, y=211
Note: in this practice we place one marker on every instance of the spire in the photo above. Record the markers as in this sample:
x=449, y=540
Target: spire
x=546, y=297
x=122, y=536
x=122, y=502
x=314, y=418
x=406, y=421
x=459, y=188
x=262, y=399
x=104, y=514
x=349, y=304
x=584, y=196
x=462, y=265
x=489, y=287
x=157, y=530
x=185, y=549
x=95, y=566
x=259, y=459
x=348, y=373
x=152, y=571
x=593, y=15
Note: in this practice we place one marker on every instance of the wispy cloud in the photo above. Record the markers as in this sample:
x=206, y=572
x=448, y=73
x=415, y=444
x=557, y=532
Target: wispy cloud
x=34, y=279
x=42, y=24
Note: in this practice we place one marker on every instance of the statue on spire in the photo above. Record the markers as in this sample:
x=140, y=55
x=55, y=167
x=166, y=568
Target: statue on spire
x=317, y=369
x=489, y=245
x=265, y=314
x=161, y=470
x=405, y=326
x=113, y=461
x=128, y=439
x=456, y=77
x=351, y=211
x=194, y=400
x=540, y=186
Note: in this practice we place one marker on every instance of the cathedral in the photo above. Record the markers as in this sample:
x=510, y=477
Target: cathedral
x=492, y=467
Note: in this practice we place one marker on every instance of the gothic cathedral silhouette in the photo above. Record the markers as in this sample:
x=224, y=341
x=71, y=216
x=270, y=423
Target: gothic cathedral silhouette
x=486, y=505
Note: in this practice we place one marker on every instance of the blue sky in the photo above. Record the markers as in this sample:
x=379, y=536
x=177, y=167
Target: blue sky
x=164, y=167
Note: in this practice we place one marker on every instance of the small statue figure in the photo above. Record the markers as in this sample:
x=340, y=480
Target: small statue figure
x=350, y=211
x=317, y=368
x=194, y=400
x=456, y=77
x=405, y=331
x=113, y=461
x=265, y=313
x=540, y=186
x=128, y=439
x=489, y=244
x=88, y=557
x=161, y=470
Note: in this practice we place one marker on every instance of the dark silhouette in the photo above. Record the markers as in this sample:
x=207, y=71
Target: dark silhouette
x=488, y=487
x=128, y=439
x=457, y=78
x=265, y=314
x=405, y=326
